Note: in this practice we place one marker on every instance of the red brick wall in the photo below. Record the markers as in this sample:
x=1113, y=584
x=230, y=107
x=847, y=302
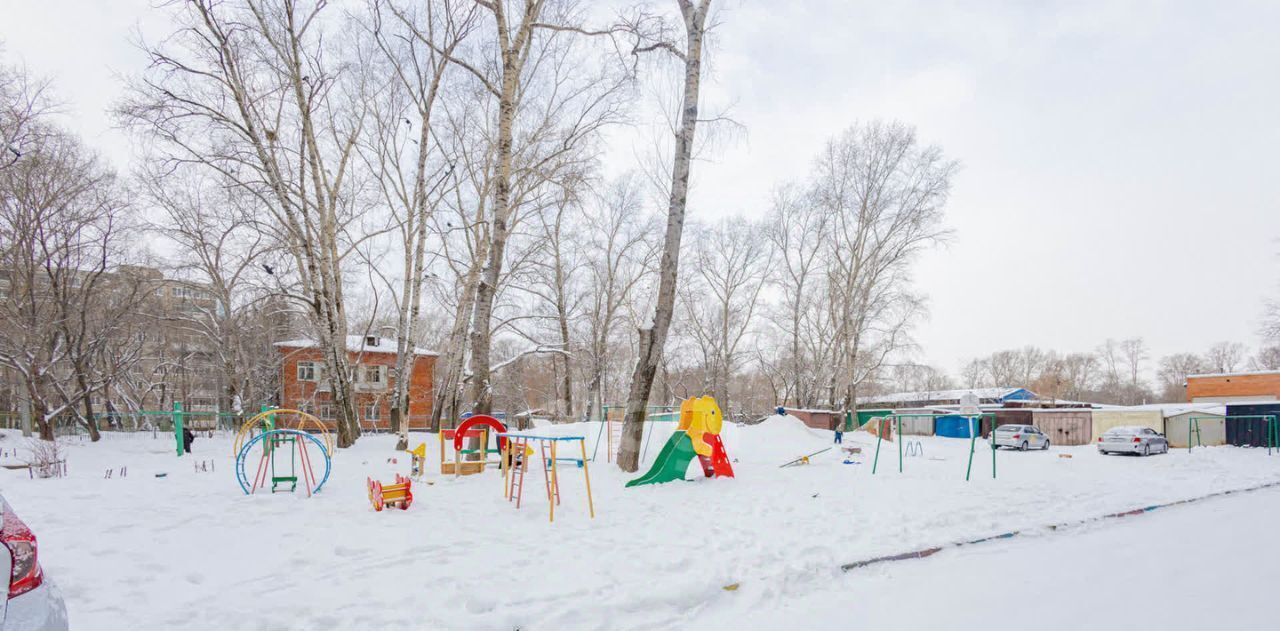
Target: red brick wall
x=817, y=419
x=1234, y=386
x=295, y=392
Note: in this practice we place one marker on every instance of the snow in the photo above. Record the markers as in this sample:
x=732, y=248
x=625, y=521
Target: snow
x=1157, y=571
x=939, y=395
x=1235, y=374
x=191, y=551
x=1174, y=409
x=356, y=344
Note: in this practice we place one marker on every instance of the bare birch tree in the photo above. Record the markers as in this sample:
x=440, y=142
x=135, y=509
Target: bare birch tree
x=796, y=230
x=885, y=193
x=730, y=262
x=653, y=335
x=257, y=93
x=619, y=257
x=412, y=43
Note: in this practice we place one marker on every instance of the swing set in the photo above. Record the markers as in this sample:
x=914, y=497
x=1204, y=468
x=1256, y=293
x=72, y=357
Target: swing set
x=1272, y=429
x=893, y=423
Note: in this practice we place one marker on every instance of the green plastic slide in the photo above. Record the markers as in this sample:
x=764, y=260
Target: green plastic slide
x=672, y=462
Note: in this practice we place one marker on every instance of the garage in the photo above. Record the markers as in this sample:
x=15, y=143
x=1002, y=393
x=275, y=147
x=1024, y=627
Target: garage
x=1107, y=418
x=1065, y=426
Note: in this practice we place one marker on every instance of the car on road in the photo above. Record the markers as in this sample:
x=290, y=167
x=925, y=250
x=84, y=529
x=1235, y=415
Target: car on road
x=34, y=602
x=1143, y=441
x=1021, y=437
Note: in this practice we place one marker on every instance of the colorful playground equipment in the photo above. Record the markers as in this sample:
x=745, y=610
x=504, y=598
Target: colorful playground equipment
x=517, y=452
x=398, y=495
x=418, y=461
x=478, y=427
x=697, y=435
x=803, y=459
x=297, y=442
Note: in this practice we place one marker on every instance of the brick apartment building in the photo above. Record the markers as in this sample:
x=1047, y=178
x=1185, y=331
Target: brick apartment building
x=373, y=360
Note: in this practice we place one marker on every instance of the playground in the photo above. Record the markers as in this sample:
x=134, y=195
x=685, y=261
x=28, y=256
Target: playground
x=193, y=550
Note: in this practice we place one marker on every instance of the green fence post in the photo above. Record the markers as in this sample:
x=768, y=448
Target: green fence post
x=973, y=438
x=177, y=427
x=897, y=421
x=993, y=445
x=879, y=438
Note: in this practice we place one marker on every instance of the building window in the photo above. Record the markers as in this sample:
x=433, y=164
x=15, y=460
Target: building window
x=372, y=377
x=372, y=412
x=326, y=412
x=308, y=371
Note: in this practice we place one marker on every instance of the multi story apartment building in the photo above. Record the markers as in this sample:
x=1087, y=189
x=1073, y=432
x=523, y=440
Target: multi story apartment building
x=373, y=360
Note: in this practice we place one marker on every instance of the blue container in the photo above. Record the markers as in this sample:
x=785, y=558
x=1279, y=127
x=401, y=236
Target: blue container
x=953, y=426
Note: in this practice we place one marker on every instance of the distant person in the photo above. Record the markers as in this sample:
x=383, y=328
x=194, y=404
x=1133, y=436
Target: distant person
x=781, y=411
x=839, y=436
x=187, y=439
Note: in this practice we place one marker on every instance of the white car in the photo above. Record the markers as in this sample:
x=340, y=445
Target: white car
x=34, y=602
x=1143, y=441
x=1022, y=437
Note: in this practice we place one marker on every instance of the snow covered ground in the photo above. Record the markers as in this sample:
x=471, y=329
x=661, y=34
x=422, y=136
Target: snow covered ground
x=191, y=551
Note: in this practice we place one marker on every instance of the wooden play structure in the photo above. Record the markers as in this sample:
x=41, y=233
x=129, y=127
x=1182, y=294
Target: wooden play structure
x=517, y=451
x=398, y=495
x=470, y=461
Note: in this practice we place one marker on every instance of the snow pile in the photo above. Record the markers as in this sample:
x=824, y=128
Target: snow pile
x=190, y=551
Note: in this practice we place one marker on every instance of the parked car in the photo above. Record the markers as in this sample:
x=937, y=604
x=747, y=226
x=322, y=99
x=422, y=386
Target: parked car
x=34, y=602
x=1143, y=441
x=1022, y=437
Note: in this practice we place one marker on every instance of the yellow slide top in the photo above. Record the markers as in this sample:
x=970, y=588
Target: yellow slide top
x=698, y=416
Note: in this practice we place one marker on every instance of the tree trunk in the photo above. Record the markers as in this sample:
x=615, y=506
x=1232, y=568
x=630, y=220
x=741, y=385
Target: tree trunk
x=565, y=403
x=654, y=338
x=481, y=335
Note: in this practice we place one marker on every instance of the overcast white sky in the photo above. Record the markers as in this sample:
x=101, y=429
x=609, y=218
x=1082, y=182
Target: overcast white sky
x=1120, y=174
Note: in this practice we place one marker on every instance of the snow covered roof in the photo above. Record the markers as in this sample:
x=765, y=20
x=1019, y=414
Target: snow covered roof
x=999, y=394
x=360, y=344
x=1236, y=374
x=1173, y=409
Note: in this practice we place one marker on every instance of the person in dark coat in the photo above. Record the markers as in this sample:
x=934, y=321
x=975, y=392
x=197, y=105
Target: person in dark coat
x=187, y=439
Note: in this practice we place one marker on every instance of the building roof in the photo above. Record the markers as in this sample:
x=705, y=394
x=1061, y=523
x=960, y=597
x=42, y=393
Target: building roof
x=1172, y=409
x=999, y=394
x=1236, y=374
x=356, y=344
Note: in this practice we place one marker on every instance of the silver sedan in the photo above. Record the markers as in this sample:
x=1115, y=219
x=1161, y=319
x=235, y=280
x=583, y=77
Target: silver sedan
x=1143, y=441
x=1022, y=437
